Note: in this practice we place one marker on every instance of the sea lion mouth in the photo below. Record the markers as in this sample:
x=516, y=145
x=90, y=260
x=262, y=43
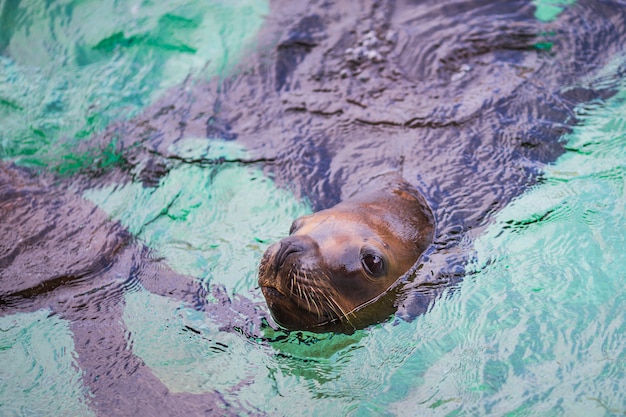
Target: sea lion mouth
x=289, y=287
x=272, y=293
x=292, y=311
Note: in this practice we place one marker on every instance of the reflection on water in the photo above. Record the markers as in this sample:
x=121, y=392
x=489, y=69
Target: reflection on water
x=155, y=311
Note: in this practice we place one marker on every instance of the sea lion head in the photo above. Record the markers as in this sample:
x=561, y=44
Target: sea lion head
x=336, y=261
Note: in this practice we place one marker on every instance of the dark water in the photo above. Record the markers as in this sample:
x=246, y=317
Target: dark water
x=149, y=158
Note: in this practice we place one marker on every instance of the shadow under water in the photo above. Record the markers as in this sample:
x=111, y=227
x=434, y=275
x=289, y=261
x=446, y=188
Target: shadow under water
x=467, y=100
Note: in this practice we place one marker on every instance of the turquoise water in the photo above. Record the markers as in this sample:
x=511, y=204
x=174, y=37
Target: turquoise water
x=68, y=69
x=537, y=328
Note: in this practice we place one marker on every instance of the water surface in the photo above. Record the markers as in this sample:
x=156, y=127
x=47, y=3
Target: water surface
x=144, y=173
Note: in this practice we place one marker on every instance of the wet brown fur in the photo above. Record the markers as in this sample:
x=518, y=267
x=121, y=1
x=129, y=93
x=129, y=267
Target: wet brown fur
x=314, y=279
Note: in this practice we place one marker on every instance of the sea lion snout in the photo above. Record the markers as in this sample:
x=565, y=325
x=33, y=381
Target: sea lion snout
x=292, y=245
x=284, y=258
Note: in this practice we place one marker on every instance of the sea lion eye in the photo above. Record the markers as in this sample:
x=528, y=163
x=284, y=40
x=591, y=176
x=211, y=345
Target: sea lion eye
x=295, y=225
x=299, y=222
x=373, y=264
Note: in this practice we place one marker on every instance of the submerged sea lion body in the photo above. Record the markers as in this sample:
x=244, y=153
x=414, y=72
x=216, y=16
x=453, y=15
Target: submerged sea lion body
x=339, y=260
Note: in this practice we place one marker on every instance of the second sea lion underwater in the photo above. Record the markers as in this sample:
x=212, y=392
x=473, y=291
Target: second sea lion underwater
x=330, y=273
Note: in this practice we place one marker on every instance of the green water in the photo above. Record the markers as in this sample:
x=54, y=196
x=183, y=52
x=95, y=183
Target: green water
x=39, y=373
x=538, y=328
x=68, y=69
x=548, y=10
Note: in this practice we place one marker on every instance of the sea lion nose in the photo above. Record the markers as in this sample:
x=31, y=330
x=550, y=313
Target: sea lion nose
x=290, y=245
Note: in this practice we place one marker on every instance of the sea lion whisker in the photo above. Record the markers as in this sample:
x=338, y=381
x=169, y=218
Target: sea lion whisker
x=330, y=301
x=306, y=295
x=301, y=286
x=309, y=295
x=294, y=276
x=313, y=295
x=344, y=314
x=336, y=310
x=335, y=307
x=300, y=293
x=292, y=280
x=317, y=291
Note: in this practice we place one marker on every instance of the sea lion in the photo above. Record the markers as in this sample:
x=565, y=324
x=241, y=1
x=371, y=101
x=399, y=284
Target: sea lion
x=337, y=261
